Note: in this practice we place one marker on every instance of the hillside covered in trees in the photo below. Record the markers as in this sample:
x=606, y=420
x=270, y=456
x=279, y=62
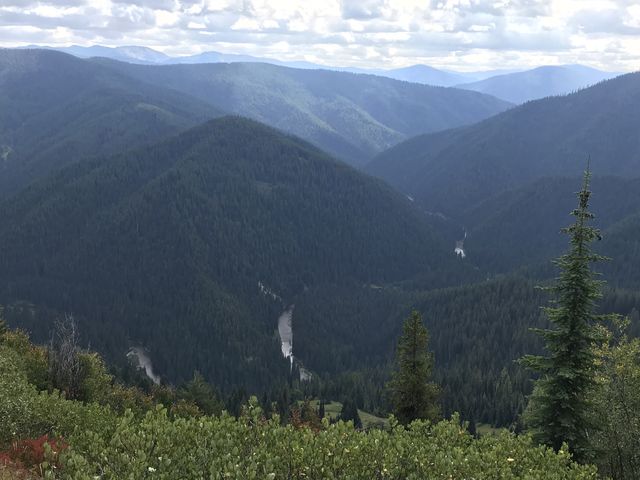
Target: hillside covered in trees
x=540, y=82
x=350, y=116
x=277, y=292
x=453, y=171
x=56, y=109
x=185, y=236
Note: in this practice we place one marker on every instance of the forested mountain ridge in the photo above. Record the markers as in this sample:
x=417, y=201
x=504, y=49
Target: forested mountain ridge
x=453, y=171
x=166, y=246
x=520, y=227
x=520, y=87
x=56, y=109
x=621, y=243
x=350, y=116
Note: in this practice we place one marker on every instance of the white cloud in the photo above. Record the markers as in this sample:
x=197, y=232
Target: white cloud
x=456, y=34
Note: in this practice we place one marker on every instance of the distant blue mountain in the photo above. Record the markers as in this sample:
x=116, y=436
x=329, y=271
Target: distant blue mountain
x=539, y=82
x=515, y=86
x=131, y=54
x=423, y=74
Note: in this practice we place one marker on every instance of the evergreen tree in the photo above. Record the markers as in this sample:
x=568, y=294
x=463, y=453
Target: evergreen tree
x=321, y=410
x=202, y=394
x=309, y=415
x=558, y=408
x=350, y=412
x=413, y=395
x=472, y=428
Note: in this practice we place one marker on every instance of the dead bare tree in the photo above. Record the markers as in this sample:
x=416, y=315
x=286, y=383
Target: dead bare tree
x=64, y=357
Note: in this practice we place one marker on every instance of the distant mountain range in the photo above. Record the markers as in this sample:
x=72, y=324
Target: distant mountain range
x=515, y=86
x=520, y=87
x=147, y=56
x=353, y=117
x=95, y=106
x=453, y=171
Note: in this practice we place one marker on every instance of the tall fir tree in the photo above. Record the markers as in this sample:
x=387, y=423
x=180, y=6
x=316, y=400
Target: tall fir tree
x=349, y=412
x=202, y=394
x=321, y=410
x=412, y=394
x=558, y=408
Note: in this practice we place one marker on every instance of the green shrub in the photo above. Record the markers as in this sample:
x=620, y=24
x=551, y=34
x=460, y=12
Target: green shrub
x=254, y=448
x=105, y=445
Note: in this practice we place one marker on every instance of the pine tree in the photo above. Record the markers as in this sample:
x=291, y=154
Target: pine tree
x=558, y=408
x=350, y=412
x=202, y=394
x=412, y=394
x=472, y=428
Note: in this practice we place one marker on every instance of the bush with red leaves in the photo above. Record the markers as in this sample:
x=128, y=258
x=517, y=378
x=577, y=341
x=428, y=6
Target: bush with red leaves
x=30, y=452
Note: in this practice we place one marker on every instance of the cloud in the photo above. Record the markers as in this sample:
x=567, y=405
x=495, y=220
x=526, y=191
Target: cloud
x=609, y=21
x=362, y=9
x=167, y=5
x=455, y=34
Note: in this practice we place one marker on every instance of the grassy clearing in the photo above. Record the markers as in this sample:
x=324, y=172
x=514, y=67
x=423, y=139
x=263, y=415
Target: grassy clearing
x=486, y=429
x=369, y=420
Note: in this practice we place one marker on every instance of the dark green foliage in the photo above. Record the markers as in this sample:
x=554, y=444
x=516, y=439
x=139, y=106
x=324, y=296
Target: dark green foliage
x=350, y=413
x=413, y=395
x=177, y=238
x=321, y=409
x=56, y=109
x=201, y=394
x=477, y=332
x=471, y=428
x=616, y=407
x=353, y=117
x=520, y=227
x=621, y=242
x=164, y=247
x=453, y=171
x=559, y=407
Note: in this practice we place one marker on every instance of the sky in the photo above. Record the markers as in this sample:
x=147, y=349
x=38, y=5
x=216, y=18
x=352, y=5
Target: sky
x=462, y=35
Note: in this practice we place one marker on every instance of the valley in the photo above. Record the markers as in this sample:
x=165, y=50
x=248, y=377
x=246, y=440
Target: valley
x=187, y=227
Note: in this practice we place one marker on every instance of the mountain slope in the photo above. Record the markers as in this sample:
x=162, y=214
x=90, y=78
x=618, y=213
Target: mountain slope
x=425, y=75
x=350, y=116
x=521, y=227
x=453, y=171
x=539, y=82
x=621, y=243
x=176, y=246
x=56, y=109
